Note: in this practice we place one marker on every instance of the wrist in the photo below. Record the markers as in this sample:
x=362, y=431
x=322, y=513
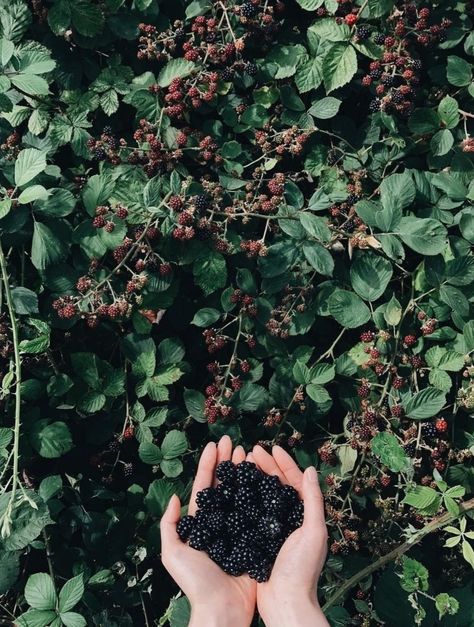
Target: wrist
x=294, y=612
x=222, y=615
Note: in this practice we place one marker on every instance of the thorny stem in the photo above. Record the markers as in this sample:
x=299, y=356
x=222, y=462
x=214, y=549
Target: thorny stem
x=401, y=549
x=17, y=360
x=234, y=353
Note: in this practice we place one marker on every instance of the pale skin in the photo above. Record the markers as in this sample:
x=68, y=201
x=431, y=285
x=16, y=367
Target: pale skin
x=288, y=599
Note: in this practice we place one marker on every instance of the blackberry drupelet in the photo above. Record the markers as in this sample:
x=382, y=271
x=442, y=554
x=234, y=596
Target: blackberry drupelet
x=243, y=522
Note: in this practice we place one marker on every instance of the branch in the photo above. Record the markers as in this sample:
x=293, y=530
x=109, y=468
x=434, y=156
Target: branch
x=434, y=525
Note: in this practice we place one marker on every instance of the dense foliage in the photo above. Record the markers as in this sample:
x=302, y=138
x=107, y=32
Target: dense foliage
x=250, y=218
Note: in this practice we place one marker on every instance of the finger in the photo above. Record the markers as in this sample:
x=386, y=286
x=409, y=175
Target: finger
x=313, y=501
x=169, y=536
x=238, y=455
x=204, y=474
x=266, y=462
x=224, y=449
x=288, y=467
x=251, y=458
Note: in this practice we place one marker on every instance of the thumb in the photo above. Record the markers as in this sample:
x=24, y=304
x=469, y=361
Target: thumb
x=313, y=501
x=168, y=522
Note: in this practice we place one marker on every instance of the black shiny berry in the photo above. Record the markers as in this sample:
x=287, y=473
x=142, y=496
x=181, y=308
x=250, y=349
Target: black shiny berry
x=184, y=527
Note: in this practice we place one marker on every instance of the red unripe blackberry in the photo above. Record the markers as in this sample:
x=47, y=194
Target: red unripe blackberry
x=397, y=411
x=389, y=42
x=416, y=361
x=128, y=433
x=211, y=390
x=363, y=391
x=152, y=232
x=165, y=268
x=245, y=366
x=350, y=19
x=439, y=465
x=385, y=481
x=398, y=382
x=424, y=13
x=121, y=212
x=99, y=222
x=175, y=202
x=366, y=81
x=409, y=340
x=185, y=218
x=68, y=311
x=113, y=311
x=109, y=226
x=367, y=336
x=441, y=425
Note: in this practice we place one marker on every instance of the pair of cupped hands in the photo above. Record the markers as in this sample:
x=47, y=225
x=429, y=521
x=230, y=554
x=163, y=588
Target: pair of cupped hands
x=288, y=598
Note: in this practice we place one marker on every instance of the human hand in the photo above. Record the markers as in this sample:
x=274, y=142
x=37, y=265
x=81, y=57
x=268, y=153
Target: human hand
x=216, y=598
x=288, y=598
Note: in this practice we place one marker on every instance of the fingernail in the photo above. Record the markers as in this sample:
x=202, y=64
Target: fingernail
x=311, y=473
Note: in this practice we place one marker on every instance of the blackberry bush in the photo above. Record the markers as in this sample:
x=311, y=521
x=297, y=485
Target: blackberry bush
x=252, y=218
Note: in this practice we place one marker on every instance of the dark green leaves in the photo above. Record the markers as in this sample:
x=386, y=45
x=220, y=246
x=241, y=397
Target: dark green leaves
x=424, y=404
x=423, y=235
x=339, y=66
x=348, y=309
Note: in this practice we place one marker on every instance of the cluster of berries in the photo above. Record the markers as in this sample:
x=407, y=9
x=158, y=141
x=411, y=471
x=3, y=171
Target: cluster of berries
x=291, y=141
x=11, y=146
x=152, y=154
x=244, y=521
x=294, y=300
x=107, y=147
x=103, y=215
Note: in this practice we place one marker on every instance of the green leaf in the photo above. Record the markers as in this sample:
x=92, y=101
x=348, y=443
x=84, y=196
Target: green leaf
x=393, y=312
x=415, y=576
x=319, y=258
x=109, y=101
x=325, y=108
x=380, y=7
x=194, y=402
x=149, y=453
x=421, y=497
x=448, y=111
x=286, y=59
x=318, y=394
x=206, y=317
x=40, y=592
x=348, y=309
x=30, y=163
x=446, y=605
x=391, y=454
x=36, y=618
x=308, y=75
x=466, y=225
x=7, y=49
x=442, y=142
x=397, y=192
x=210, y=272
x=424, y=235
x=301, y=373
x=174, y=444
x=175, y=68
x=468, y=332
x=31, y=85
x=27, y=521
x=370, y=275
x=59, y=17
x=322, y=373
x=440, y=380
x=310, y=5
x=30, y=194
x=339, y=66
x=251, y=396
x=73, y=619
x=51, y=440
x=87, y=18
x=348, y=457
x=424, y=404
x=50, y=487
x=159, y=493
x=328, y=29
x=171, y=467
x=25, y=301
x=468, y=552
x=459, y=71
x=10, y=561
x=71, y=593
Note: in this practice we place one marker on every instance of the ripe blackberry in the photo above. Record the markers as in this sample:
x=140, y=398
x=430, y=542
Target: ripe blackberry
x=410, y=449
x=201, y=202
x=268, y=484
x=251, y=69
x=296, y=515
x=270, y=527
x=236, y=523
x=374, y=106
x=199, y=538
x=99, y=154
x=107, y=130
x=289, y=495
x=184, y=527
x=246, y=473
x=260, y=572
x=379, y=39
x=363, y=32
x=213, y=520
x=247, y=10
x=244, y=498
x=225, y=472
x=227, y=75
x=225, y=494
x=128, y=469
x=206, y=499
x=429, y=430
x=233, y=565
x=218, y=551
x=274, y=502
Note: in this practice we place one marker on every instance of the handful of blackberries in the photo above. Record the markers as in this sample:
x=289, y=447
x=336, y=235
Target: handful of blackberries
x=243, y=522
